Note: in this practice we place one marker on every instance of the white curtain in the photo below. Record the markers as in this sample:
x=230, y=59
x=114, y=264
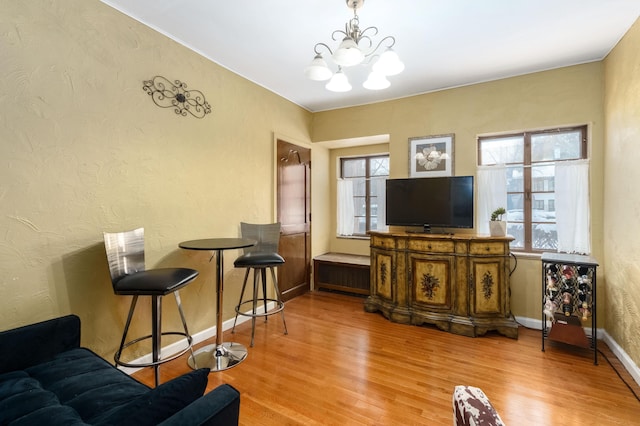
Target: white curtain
x=381, y=192
x=572, y=206
x=345, y=207
x=492, y=193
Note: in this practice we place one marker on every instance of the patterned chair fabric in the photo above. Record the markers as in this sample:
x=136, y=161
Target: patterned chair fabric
x=471, y=407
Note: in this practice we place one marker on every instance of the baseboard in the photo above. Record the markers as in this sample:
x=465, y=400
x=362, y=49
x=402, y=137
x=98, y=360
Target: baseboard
x=529, y=323
x=624, y=358
x=536, y=324
x=199, y=337
x=601, y=334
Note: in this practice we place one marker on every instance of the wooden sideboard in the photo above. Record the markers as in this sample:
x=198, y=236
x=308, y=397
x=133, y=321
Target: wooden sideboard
x=458, y=282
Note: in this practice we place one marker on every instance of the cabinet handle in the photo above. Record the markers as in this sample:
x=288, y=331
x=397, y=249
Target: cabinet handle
x=487, y=248
x=429, y=246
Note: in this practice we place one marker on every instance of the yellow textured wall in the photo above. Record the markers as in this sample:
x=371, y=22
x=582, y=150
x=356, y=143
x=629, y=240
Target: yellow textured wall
x=622, y=200
x=320, y=199
x=83, y=150
x=561, y=97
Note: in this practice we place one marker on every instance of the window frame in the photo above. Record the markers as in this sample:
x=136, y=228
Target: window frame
x=527, y=165
x=367, y=198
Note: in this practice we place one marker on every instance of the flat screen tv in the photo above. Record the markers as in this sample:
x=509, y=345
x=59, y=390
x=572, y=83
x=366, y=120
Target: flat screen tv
x=441, y=202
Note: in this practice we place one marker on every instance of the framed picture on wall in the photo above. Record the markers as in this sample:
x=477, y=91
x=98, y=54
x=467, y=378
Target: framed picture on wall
x=431, y=156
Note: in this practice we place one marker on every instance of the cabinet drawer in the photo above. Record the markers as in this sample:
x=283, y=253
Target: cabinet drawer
x=382, y=242
x=488, y=248
x=432, y=246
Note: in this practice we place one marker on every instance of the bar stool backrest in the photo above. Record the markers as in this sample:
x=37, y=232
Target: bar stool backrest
x=125, y=252
x=267, y=235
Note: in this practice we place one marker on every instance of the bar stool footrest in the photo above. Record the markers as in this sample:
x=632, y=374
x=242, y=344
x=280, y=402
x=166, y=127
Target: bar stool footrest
x=279, y=307
x=178, y=354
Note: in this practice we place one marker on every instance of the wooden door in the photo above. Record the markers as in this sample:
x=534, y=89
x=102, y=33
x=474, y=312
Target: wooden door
x=294, y=213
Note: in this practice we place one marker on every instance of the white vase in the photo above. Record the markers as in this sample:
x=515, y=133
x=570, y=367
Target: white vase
x=498, y=228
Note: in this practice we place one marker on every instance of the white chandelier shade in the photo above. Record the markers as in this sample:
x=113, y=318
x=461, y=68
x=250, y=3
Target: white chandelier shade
x=348, y=54
x=388, y=63
x=318, y=69
x=376, y=81
x=339, y=82
x=356, y=48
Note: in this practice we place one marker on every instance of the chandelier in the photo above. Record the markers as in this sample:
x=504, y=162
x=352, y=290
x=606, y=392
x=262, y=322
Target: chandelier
x=356, y=48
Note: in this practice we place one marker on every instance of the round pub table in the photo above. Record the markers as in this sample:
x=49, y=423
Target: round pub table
x=222, y=355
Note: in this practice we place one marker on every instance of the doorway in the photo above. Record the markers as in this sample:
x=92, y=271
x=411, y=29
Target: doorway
x=293, y=193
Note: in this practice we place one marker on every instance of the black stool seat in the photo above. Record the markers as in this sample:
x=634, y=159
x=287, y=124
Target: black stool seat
x=258, y=260
x=154, y=282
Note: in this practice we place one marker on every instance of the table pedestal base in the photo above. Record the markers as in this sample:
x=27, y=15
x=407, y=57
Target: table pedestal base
x=218, y=357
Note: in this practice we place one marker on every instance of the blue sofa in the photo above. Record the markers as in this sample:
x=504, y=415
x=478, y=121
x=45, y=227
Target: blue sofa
x=46, y=378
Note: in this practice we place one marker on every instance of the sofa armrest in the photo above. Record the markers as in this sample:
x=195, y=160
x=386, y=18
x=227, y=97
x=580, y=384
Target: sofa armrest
x=36, y=343
x=221, y=406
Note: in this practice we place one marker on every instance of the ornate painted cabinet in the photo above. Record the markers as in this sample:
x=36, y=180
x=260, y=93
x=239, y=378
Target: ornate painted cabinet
x=460, y=283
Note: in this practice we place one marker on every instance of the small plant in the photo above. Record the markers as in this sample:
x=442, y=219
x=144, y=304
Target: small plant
x=497, y=213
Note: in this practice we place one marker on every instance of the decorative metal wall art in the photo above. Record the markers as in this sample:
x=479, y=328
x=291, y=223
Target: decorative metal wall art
x=167, y=94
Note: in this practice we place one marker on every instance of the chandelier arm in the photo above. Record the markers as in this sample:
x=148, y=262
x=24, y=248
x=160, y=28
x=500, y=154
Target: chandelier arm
x=393, y=42
x=362, y=36
x=315, y=48
x=363, y=32
x=333, y=35
x=370, y=42
x=368, y=59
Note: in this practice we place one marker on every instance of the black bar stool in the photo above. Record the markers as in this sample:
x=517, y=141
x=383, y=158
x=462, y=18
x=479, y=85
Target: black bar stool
x=125, y=253
x=264, y=255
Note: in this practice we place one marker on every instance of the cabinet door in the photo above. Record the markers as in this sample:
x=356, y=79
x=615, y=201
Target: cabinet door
x=382, y=274
x=430, y=282
x=488, y=288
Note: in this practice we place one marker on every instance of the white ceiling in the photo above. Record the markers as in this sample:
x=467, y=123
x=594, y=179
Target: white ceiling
x=443, y=43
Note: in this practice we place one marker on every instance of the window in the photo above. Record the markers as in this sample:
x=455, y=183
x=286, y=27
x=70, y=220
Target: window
x=539, y=205
x=530, y=160
x=365, y=177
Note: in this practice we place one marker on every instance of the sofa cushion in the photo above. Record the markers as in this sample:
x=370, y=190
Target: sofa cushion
x=85, y=382
x=24, y=402
x=52, y=415
x=78, y=387
x=160, y=403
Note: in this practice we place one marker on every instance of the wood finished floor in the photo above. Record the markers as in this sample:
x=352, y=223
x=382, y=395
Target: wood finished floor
x=342, y=366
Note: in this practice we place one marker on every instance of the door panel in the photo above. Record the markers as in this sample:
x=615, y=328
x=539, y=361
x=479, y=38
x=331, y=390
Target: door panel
x=487, y=276
x=294, y=274
x=293, y=194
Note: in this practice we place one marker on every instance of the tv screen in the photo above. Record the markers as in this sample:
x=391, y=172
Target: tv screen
x=445, y=202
